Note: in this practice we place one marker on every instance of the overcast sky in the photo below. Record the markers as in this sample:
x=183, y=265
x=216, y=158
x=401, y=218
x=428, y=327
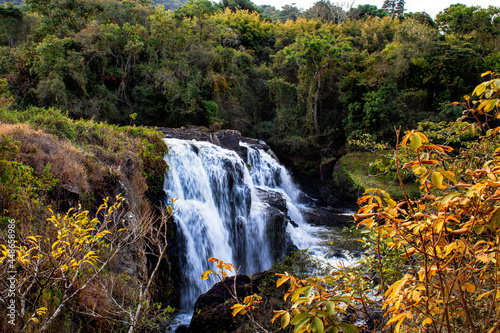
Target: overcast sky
x=431, y=7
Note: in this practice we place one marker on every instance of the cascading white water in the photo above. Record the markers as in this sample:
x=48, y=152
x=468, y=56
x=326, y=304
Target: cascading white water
x=219, y=213
x=269, y=174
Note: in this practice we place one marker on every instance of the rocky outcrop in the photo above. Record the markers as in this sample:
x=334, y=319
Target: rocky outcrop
x=212, y=311
x=325, y=216
x=278, y=219
x=228, y=139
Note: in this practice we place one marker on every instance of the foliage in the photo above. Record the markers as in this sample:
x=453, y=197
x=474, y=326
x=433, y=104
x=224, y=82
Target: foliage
x=73, y=258
x=132, y=155
x=66, y=258
x=435, y=256
x=249, y=303
x=316, y=305
x=449, y=235
x=324, y=79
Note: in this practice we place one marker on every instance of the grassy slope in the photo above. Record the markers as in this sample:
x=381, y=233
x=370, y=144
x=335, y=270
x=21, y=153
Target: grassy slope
x=89, y=160
x=48, y=160
x=356, y=168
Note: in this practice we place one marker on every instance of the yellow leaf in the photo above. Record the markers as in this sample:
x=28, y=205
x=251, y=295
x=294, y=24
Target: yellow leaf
x=41, y=311
x=448, y=175
x=395, y=319
x=424, y=177
x=415, y=141
x=396, y=287
x=437, y=179
x=277, y=314
x=33, y=239
x=282, y=279
x=495, y=216
x=35, y=319
x=418, y=169
x=469, y=287
x=238, y=309
x=285, y=320
x=427, y=321
x=206, y=274
x=480, y=297
x=483, y=257
x=489, y=105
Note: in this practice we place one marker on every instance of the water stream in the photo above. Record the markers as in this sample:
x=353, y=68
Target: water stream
x=220, y=215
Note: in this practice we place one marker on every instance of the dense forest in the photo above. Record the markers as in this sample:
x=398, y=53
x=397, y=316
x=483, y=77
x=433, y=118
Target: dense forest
x=84, y=82
x=304, y=81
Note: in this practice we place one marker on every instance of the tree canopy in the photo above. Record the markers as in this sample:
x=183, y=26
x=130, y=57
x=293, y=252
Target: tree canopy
x=304, y=81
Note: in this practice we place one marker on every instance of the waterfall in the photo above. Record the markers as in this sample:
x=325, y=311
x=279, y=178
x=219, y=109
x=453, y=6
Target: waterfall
x=218, y=211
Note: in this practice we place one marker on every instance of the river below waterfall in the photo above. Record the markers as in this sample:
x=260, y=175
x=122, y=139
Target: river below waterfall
x=220, y=213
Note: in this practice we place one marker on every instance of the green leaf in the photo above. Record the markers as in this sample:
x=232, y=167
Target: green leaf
x=317, y=325
x=330, y=307
x=479, y=229
x=301, y=325
x=348, y=328
x=300, y=317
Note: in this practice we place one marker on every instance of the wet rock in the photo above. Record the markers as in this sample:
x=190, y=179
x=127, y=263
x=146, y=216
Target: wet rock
x=324, y=216
x=279, y=240
x=319, y=189
x=326, y=170
x=212, y=310
x=228, y=139
x=182, y=329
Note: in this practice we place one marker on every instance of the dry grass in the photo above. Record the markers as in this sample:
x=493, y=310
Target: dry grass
x=41, y=150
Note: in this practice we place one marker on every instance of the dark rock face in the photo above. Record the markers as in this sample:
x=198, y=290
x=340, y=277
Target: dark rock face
x=327, y=188
x=212, y=311
x=228, y=139
x=342, y=181
x=322, y=216
x=279, y=240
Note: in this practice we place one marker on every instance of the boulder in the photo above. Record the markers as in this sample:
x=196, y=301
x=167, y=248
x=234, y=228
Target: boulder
x=212, y=310
x=279, y=240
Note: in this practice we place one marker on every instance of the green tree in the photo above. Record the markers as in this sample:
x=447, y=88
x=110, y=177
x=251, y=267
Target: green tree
x=363, y=11
x=389, y=6
x=234, y=5
x=11, y=21
x=198, y=8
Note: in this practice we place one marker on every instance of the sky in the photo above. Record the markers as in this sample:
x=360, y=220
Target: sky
x=431, y=7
